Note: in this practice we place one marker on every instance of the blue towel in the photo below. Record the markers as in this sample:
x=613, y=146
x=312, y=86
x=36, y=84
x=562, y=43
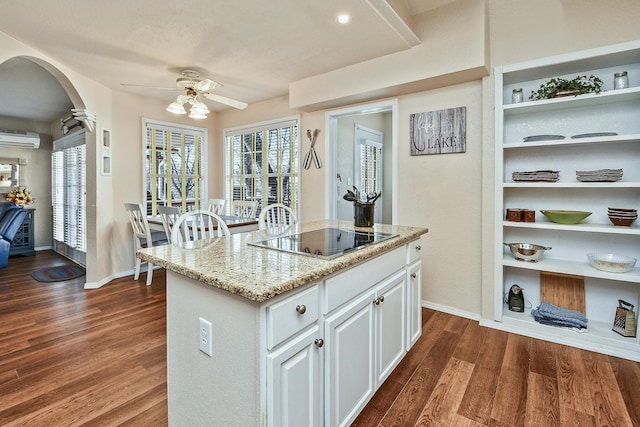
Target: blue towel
x=550, y=314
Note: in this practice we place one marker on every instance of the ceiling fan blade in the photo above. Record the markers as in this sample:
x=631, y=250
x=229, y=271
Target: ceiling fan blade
x=227, y=101
x=150, y=87
x=206, y=85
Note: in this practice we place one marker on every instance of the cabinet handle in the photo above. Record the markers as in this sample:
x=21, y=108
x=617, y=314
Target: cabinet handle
x=381, y=298
x=319, y=342
x=378, y=300
x=301, y=309
x=414, y=275
x=418, y=247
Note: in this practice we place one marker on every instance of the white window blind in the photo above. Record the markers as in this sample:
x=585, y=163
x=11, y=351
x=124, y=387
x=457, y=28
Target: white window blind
x=262, y=164
x=174, y=170
x=371, y=166
x=68, y=194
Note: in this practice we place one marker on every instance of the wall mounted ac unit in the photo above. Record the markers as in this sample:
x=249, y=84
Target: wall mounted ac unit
x=19, y=139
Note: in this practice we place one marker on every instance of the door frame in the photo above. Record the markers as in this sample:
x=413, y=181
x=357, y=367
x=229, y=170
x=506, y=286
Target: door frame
x=331, y=124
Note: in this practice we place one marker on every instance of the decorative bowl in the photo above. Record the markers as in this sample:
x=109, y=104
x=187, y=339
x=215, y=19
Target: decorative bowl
x=527, y=251
x=565, y=217
x=612, y=263
x=621, y=221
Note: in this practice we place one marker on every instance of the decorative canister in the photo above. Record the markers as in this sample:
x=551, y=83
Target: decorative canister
x=620, y=80
x=517, y=96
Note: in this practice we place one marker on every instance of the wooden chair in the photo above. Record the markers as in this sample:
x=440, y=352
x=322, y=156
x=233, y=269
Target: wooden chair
x=198, y=225
x=276, y=218
x=141, y=237
x=169, y=215
x=246, y=208
x=217, y=206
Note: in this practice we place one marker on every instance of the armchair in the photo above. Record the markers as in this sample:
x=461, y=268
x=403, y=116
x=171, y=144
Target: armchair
x=10, y=221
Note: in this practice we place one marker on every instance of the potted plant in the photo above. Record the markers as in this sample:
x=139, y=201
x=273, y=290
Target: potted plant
x=558, y=86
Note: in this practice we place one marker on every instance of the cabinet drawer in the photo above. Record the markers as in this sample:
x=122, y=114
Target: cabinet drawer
x=349, y=284
x=291, y=315
x=413, y=251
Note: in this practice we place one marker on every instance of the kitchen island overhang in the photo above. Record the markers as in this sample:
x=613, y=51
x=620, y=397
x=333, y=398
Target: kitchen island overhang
x=279, y=322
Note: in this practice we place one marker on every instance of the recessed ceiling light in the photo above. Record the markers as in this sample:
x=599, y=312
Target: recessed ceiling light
x=343, y=18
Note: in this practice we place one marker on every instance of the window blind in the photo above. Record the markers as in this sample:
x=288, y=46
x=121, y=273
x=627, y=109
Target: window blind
x=262, y=163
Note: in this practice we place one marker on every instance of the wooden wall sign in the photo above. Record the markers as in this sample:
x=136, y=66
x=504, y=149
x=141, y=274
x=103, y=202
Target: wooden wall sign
x=439, y=132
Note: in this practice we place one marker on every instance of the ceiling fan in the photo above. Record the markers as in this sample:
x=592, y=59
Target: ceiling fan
x=195, y=89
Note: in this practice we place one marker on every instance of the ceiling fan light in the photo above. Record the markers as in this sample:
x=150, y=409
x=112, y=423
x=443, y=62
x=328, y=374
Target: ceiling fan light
x=197, y=114
x=176, y=108
x=200, y=107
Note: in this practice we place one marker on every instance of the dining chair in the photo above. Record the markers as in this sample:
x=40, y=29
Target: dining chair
x=246, y=208
x=198, y=225
x=217, y=206
x=276, y=218
x=141, y=237
x=168, y=215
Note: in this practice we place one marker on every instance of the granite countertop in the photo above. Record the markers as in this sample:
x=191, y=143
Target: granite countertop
x=259, y=274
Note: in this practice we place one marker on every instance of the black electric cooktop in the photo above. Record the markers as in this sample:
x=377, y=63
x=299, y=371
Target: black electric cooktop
x=326, y=243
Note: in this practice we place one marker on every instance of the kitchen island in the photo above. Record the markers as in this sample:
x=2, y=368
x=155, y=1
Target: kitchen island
x=295, y=339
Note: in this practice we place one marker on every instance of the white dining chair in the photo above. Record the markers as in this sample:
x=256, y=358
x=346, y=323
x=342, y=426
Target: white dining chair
x=245, y=208
x=276, y=218
x=217, y=206
x=141, y=237
x=198, y=225
x=169, y=215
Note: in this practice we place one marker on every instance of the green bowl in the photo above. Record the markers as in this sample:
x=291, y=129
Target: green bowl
x=566, y=217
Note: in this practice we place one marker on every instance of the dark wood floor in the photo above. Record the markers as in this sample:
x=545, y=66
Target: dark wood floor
x=71, y=357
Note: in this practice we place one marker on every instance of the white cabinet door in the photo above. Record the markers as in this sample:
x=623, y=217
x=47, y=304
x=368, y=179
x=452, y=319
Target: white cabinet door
x=414, y=301
x=294, y=382
x=390, y=313
x=349, y=360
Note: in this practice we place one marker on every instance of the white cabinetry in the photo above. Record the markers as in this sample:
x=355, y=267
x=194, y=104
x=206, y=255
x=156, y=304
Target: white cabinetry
x=610, y=111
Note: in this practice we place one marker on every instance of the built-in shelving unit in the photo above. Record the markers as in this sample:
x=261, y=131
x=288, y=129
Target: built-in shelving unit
x=609, y=111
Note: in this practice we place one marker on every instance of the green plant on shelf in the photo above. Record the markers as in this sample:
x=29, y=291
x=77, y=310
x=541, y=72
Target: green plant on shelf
x=558, y=86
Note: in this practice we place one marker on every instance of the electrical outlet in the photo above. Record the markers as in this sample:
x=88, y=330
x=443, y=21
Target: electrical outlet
x=206, y=337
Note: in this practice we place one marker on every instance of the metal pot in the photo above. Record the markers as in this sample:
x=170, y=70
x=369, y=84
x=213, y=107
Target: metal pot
x=527, y=251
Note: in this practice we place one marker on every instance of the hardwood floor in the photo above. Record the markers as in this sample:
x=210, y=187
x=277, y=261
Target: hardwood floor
x=71, y=357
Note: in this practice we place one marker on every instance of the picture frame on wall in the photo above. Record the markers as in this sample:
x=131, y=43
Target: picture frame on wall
x=438, y=132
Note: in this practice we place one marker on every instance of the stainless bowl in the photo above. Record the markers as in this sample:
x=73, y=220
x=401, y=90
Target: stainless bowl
x=527, y=251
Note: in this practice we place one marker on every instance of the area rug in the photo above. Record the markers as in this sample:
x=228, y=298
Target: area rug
x=58, y=274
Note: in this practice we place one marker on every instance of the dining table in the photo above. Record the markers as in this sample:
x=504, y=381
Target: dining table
x=236, y=224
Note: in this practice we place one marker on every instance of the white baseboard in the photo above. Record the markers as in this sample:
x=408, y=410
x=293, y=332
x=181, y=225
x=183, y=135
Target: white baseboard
x=451, y=310
x=43, y=248
x=97, y=285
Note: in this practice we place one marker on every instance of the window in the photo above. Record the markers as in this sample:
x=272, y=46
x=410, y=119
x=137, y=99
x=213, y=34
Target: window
x=68, y=196
x=173, y=166
x=262, y=164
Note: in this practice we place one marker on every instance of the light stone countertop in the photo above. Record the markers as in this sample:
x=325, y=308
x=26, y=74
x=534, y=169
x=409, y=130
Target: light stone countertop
x=259, y=274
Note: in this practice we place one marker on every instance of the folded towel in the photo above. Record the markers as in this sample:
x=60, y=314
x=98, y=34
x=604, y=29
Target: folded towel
x=547, y=312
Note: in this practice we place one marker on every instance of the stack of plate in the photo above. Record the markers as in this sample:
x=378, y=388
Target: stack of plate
x=620, y=216
x=545, y=175
x=599, y=175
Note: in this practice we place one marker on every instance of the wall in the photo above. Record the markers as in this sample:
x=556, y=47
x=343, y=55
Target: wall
x=36, y=175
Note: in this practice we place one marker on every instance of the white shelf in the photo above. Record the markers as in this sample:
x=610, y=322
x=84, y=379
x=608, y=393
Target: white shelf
x=610, y=110
x=590, y=228
x=568, y=141
x=618, y=184
x=572, y=267
x=544, y=105
x=599, y=336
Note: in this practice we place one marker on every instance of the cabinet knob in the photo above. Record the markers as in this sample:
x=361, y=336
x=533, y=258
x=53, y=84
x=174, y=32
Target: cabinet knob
x=381, y=298
x=301, y=309
x=414, y=275
x=378, y=300
x=319, y=342
x=418, y=247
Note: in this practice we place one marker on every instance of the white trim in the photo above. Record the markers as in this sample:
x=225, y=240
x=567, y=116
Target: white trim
x=451, y=310
x=253, y=127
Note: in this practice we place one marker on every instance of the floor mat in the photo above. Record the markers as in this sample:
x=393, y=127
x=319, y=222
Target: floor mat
x=58, y=274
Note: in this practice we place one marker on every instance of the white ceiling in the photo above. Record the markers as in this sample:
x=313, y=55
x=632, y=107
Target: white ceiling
x=255, y=48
